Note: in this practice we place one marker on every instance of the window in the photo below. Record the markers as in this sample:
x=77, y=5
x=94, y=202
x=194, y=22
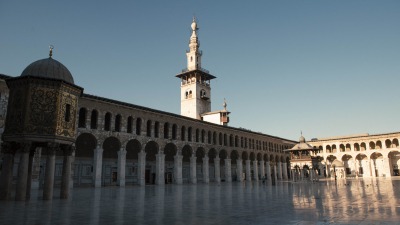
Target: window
x=82, y=118
x=107, y=122
x=156, y=129
x=93, y=120
x=138, y=126
x=67, y=112
x=166, y=130
x=174, y=131
x=148, y=128
x=118, y=123
x=129, y=126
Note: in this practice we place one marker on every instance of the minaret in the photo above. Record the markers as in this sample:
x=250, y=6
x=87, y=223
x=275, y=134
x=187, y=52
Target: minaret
x=195, y=81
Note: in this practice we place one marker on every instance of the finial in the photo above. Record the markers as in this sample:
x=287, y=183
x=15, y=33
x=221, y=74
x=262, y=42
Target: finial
x=51, y=51
x=194, y=18
x=301, y=133
x=224, y=105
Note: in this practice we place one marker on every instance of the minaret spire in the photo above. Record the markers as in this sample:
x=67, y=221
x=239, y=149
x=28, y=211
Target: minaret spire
x=194, y=54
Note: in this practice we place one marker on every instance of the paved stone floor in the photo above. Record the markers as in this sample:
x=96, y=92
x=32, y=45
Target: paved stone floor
x=358, y=201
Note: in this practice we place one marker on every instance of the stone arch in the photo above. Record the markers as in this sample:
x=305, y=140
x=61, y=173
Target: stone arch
x=277, y=159
x=111, y=146
x=190, y=134
x=395, y=143
x=334, y=149
x=183, y=133
x=133, y=147
x=394, y=162
x=245, y=155
x=117, y=124
x=209, y=137
x=93, y=119
x=378, y=145
x=157, y=129
x=107, y=121
x=252, y=156
x=138, y=126
x=363, y=146
x=348, y=164
x=328, y=149
x=200, y=153
x=222, y=156
x=259, y=157
x=82, y=117
x=372, y=145
x=203, y=136
x=356, y=147
x=234, y=156
x=342, y=148
x=85, y=145
x=151, y=150
x=220, y=139
x=170, y=150
x=148, y=128
x=282, y=160
x=211, y=155
x=166, y=130
x=186, y=153
x=174, y=131
x=129, y=126
x=348, y=147
x=388, y=143
x=265, y=157
x=271, y=158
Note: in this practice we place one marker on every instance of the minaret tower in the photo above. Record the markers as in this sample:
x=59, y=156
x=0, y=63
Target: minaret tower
x=195, y=81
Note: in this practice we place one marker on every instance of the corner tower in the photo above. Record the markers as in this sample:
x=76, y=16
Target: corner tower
x=195, y=81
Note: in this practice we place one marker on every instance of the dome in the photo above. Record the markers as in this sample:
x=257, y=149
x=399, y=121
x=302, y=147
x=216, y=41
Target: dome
x=48, y=68
x=302, y=139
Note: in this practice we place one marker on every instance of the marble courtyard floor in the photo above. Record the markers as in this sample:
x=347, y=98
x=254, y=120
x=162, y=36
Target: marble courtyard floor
x=357, y=201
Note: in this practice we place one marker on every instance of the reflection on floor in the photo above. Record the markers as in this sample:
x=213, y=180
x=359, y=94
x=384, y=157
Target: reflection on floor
x=368, y=201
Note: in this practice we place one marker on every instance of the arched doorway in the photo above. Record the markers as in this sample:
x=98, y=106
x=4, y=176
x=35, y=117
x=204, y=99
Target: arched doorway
x=111, y=146
x=394, y=163
x=133, y=147
x=85, y=145
x=170, y=151
x=212, y=154
x=234, y=158
x=377, y=164
x=222, y=156
x=151, y=150
x=186, y=154
x=200, y=153
x=348, y=164
x=362, y=166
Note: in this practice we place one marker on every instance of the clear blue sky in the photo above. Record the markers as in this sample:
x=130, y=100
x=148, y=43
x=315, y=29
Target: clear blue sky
x=324, y=67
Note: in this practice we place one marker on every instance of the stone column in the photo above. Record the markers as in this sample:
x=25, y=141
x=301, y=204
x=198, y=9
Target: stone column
x=239, y=164
x=7, y=171
x=29, y=178
x=327, y=169
x=36, y=168
x=193, y=168
x=97, y=166
x=367, y=169
x=217, y=170
x=49, y=173
x=160, y=167
x=121, y=167
x=262, y=169
x=23, y=167
x=206, y=170
x=141, y=168
x=373, y=169
x=66, y=172
x=248, y=170
x=228, y=170
x=386, y=166
x=267, y=164
x=285, y=175
x=274, y=173
x=178, y=169
x=255, y=168
x=279, y=171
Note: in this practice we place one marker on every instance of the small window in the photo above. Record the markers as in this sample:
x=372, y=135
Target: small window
x=67, y=112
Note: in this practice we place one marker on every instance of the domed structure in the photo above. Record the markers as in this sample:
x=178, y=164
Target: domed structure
x=48, y=68
x=302, y=139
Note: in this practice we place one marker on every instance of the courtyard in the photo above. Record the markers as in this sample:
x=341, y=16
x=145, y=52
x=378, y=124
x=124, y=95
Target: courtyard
x=355, y=201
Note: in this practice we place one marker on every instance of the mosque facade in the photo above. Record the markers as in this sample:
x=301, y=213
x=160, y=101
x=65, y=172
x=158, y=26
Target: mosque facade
x=55, y=134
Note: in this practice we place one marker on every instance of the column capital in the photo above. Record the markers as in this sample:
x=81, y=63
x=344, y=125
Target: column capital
x=68, y=149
